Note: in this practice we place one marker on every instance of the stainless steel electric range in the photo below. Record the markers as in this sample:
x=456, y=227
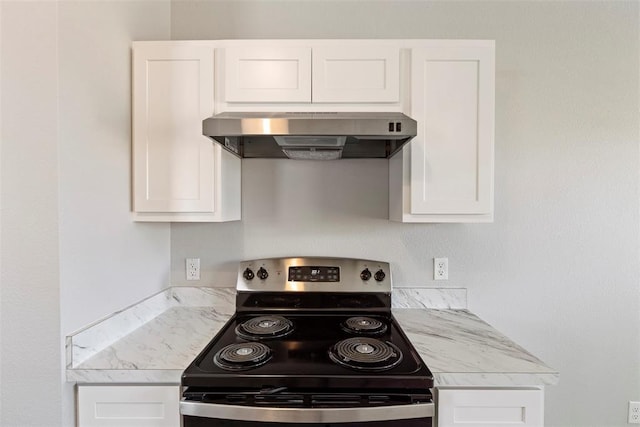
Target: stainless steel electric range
x=312, y=342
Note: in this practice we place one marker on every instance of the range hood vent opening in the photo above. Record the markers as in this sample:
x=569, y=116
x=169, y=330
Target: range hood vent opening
x=311, y=147
x=312, y=153
x=310, y=141
x=311, y=136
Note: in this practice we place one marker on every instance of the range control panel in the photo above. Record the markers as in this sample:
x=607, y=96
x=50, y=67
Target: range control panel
x=314, y=274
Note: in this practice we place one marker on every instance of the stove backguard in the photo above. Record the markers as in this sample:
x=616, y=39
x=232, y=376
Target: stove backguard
x=314, y=274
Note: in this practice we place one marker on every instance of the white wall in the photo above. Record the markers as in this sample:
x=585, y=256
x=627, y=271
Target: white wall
x=558, y=270
x=1, y=211
x=107, y=261
x=70, y=253
x=29, y=311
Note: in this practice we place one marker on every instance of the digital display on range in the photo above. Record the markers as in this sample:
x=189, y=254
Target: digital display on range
x=314, y=274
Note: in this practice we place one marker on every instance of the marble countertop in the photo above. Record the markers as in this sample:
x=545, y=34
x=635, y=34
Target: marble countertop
x=174, y=326
x=461, y=349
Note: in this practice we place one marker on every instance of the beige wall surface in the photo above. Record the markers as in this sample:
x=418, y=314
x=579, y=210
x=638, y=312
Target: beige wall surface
x=558, y=270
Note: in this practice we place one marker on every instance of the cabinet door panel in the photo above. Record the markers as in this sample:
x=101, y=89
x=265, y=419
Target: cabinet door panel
x=130, y=406
x=483, y=407
x=370, y=74
x=452, y=155
x=267, y=74
x=173, y=163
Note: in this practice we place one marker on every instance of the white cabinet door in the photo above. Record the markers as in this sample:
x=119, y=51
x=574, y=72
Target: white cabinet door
x=177, y=170
x=128, y=406
x=267, y=74
x=452, y=155
x=490, y=407
x=450, y=168
x=312, y=74
x=357, y=75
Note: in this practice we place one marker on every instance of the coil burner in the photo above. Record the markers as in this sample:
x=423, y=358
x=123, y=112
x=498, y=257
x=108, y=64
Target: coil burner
x=264, y=327
x=365, y=354
x=242, y=356
x=364, y=326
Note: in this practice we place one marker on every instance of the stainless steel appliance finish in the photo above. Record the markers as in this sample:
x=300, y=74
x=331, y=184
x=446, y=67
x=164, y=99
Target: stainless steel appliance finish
x=355, y=275
x=307, y=416
x=313, y=342
x=311, y=136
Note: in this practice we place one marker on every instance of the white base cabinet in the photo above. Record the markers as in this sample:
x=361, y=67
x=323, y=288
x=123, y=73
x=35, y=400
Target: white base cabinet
x=482, y=407
x=128, y=406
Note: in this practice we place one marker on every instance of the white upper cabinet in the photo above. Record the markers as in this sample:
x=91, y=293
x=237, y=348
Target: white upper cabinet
x=178, y=174
x=446, y=173
x=267, y=74
x=356, y=73
x=364, y=74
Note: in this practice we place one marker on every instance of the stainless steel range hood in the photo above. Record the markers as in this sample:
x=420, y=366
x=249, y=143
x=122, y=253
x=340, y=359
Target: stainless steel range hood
x=311, y=136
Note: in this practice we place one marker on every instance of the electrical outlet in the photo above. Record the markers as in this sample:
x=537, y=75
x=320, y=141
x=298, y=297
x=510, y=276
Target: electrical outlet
x=440, y=268
x=193, y=268
x=634, y=412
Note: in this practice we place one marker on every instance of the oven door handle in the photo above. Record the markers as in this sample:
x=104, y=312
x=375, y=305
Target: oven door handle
x=307, y=415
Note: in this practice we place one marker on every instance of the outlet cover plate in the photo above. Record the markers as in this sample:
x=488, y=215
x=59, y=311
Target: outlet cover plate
x=193, y=268
x=634, y=412
x=440, y=268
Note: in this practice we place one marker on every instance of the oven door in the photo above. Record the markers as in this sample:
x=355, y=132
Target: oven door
x=198, y=414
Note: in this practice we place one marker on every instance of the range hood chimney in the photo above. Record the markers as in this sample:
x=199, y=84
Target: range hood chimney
x=311, y=136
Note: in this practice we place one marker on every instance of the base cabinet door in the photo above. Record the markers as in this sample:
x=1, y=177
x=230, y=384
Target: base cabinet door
x=128, y=406
x=481, y=407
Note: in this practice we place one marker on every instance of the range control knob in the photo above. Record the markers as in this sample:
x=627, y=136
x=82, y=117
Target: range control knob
x=262, y=274
x=248, y=274
x=379, y=276
x=365, y=274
